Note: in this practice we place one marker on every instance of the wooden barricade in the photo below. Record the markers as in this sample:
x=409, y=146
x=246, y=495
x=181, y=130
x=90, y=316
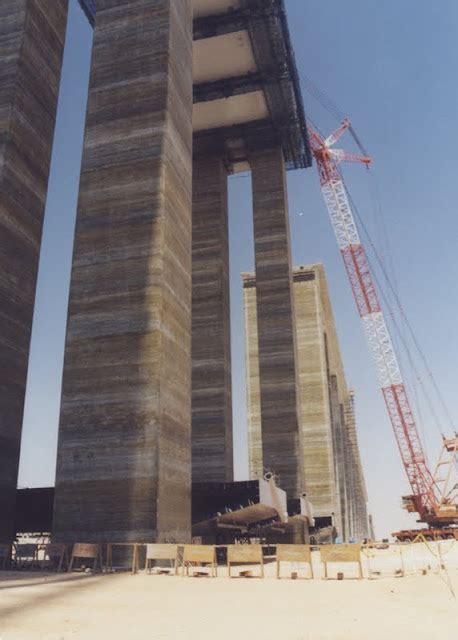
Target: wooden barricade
x=87, y=552
x=245, y=554
x=341, y=553
x=55, y=554
x=162, y=552
x=294, y=553
x=123, y=545
x=25, y=555
x=5, y=555
x=198, y=554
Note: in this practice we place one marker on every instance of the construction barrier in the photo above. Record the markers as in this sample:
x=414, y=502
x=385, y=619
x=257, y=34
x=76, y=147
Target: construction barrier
x=158, y=552
x=84, y=551
x=374, y=561
x=25, y=555
x=341, y=553
x=133, y=546
x=5, y=555
x=54, y=555
x=245, y=554
x=198, y=555
x=294, y=554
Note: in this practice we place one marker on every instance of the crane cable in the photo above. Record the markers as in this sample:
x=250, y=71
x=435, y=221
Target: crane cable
x=328, y=104
x=404, y=318
x=391, y=313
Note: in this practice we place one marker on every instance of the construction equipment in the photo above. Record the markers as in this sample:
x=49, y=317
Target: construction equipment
x=434, y=495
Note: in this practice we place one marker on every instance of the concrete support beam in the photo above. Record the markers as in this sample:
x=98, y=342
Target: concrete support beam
x=32, y=35
x=275, y=310
x=124, y=467
x=211, y=341
x=218, y=89
x=221, y=24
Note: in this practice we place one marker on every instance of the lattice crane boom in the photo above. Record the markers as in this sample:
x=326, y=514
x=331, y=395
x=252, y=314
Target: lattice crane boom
x=424, y=498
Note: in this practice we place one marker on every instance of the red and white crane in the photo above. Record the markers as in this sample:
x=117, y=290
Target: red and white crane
x=431, y=496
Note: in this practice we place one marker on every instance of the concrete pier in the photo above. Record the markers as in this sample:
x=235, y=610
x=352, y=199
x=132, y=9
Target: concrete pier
x=32, y=35
x=275, y=311
x=314, y=341
x=328, y=448
x=211, y=347
x=358, y=514
x=253, y=387
x=124, y=464
x=173, y=82
x=341, y=471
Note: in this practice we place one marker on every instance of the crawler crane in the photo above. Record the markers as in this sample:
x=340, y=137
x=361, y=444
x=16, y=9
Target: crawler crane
x=434, y=495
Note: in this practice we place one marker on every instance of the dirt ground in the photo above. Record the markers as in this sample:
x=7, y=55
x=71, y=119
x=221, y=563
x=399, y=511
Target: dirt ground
x=153, y=607
x=79, y=607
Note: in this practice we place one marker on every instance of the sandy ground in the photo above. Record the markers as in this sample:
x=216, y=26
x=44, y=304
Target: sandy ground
x=123, y=606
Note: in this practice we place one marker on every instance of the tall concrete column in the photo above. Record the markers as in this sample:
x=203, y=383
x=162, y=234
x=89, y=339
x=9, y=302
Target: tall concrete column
x=253, y=392
x=211, y=339
x=351, y=481
x=274, y=295
x=32, y=35
x=315, y=420
x=338, y=434
x=124, y=463
x=358, y=494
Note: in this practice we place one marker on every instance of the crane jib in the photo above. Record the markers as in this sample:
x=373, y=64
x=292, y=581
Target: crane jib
x=375, y=327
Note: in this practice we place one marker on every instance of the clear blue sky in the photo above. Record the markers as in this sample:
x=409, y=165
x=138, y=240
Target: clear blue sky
x=391, y=67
